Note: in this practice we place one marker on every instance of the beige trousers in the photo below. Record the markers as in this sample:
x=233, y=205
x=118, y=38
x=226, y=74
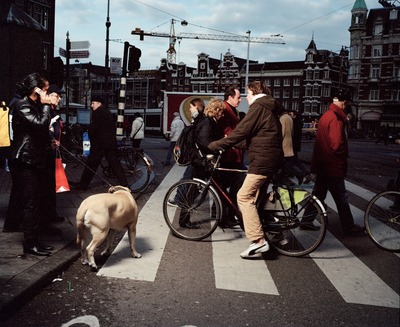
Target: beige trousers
x=246, y=199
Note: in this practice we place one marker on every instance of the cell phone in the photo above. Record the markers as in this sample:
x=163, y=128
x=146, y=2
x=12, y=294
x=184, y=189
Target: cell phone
x=39, y=91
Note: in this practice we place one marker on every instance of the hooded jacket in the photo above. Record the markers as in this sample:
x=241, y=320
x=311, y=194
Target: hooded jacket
x=331, y=148
x=261, y=132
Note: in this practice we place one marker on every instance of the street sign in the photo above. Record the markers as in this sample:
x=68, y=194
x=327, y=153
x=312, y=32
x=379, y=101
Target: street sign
x=62, y=52
x=115, y=65
x=79, y=54
x=80, y=45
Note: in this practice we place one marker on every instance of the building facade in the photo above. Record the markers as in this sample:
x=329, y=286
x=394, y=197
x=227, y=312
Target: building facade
x=26, y=43
x=374, y=65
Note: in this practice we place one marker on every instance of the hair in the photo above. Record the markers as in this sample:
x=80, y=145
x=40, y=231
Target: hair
x=198, y=103
x=230, y=92
x=30, y=82
x=258, y=87
x=215, y=105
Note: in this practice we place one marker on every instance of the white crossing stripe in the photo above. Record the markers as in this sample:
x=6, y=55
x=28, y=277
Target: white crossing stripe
x=355, y=282
x=152, y=234
x=232, y=272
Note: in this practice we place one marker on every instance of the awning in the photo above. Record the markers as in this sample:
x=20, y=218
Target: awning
x=371, y=115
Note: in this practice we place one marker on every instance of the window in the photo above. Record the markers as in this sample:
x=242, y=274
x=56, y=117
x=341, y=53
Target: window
x=268, y=81
x=375, y=71
x=326, y=73
x=202, y=65
x=316, y=74
x=326, y=91
x=355, y=52
x=396, y=70
x=46, y=51
x=286, y=93
x=277, y=82
x=296, y=93
x=315, y=90
x=308, y=91
x=374, y=95
x=377, y=51
x=309, y=74
x=296, y=82
x=393, y=14
x=286, y=82
x=277, y=94
x=40, y=14
x=378, y=29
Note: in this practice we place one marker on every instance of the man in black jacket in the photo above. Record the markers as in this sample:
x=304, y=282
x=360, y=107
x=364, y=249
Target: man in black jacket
x=102, y=143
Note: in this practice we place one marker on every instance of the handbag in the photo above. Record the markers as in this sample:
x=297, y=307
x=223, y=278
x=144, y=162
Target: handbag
x=61, y=178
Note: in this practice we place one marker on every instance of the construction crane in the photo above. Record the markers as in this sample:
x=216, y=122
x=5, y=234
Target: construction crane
x=171, y=52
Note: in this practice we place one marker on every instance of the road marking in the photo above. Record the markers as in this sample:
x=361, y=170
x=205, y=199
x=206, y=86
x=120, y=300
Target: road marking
x=355, y=282
x=234, y=273
x=152, y=234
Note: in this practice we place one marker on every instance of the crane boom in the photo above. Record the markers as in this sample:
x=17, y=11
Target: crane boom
x=196, y=36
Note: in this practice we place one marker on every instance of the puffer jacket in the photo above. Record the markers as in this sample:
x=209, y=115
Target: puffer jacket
x=102, y=130
x=205, y=131
x=331, y=147
x=31, y=144
x=261, y=131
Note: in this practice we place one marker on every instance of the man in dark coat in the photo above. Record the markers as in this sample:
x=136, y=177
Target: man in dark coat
x=102, y=134
x=329, y=161
x=261, y=132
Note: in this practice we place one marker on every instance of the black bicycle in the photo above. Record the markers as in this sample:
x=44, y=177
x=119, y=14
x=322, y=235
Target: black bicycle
x=382, y=220
x=136, y=165
x=294, y=221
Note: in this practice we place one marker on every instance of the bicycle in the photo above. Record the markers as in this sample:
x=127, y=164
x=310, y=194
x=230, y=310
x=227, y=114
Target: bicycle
x=136, y=165
x=294, y=221
x=382, y=220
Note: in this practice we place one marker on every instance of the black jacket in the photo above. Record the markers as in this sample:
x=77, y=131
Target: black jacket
x=102, y=130
x=206, y=130
x=31, y=144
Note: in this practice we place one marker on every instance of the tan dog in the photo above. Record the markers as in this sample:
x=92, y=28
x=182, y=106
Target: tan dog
x=102, y=214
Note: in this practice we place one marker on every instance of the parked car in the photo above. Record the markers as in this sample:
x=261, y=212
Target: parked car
x=309, y=130
x=392, y=137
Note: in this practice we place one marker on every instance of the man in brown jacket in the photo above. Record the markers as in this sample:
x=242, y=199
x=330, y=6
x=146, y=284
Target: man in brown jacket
x=261, y=132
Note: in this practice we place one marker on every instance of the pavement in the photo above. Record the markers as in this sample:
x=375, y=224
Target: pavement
x=23, y=276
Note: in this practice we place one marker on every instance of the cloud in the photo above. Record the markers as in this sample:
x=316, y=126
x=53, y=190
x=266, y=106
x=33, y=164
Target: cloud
x=328, y=21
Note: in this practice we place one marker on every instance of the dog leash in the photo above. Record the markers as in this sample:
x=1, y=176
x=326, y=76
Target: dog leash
x=76, y=157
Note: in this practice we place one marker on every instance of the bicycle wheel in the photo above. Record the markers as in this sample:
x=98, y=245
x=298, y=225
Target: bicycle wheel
x=382, y=220
x=298, y=230
x=191, y=210
x=137, y=169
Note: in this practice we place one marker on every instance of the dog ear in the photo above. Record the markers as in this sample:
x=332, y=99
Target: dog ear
x=111, y=189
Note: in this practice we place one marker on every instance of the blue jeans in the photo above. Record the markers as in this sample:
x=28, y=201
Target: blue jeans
x=170, y=151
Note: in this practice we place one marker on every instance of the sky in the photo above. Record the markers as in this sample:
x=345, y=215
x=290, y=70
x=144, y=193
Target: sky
x=297, y=22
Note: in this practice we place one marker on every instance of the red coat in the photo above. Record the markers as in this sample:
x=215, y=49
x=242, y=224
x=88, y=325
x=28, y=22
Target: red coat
x=331, y=147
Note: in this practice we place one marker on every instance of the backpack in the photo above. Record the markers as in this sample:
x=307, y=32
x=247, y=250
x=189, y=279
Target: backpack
x=185, y=147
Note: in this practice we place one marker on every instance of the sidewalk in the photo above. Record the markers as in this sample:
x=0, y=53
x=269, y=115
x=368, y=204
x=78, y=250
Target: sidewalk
x=22, y=276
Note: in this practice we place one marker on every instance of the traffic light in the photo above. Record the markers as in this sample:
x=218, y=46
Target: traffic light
x=134, y=56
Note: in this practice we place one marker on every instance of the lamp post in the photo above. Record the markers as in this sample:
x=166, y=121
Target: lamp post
x=248, y=55
x=108, y=24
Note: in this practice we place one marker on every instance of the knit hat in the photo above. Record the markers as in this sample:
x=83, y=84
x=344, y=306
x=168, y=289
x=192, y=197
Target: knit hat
x=176, y=114
x=97, y=98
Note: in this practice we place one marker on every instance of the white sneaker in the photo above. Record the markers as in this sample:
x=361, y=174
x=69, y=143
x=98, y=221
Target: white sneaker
x=255, y=248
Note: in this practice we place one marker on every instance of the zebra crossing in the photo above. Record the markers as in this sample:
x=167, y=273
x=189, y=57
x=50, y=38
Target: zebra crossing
x=350, y=276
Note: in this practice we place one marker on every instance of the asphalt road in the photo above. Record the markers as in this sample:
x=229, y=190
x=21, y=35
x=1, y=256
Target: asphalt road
x=348, y=282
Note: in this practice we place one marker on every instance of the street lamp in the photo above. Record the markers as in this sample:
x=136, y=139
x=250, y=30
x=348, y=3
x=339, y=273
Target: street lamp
x=248, y=55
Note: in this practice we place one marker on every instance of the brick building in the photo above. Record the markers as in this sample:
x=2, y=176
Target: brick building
x=27, y=42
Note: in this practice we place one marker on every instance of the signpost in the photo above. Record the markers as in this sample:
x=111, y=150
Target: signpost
x=79, y=54
x=82, y=52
